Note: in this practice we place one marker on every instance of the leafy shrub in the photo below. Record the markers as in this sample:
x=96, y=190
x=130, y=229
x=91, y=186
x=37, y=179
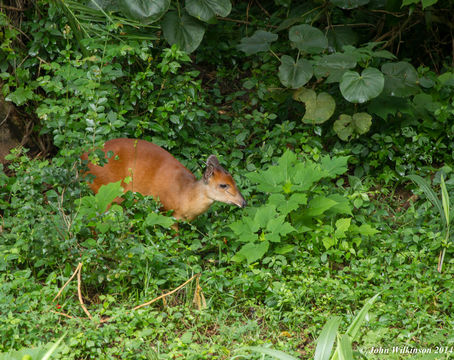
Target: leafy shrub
x=298, y=203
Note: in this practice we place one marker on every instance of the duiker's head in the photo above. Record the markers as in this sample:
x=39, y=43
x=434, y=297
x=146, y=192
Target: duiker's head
x=220, y=184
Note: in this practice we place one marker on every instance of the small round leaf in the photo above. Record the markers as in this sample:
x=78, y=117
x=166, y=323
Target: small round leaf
x=294, y=74
x=308, y=38
x=342, y=127
x=358, y=88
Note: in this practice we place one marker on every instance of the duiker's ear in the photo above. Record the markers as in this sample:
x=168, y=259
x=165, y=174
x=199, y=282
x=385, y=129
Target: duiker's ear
x=212, y=162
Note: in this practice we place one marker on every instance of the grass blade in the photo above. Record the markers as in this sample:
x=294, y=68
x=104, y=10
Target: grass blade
x=326, y=339
x=277, y=354
x=345, y=348
x=445, y=200
x=425, y=186
x=359, y=319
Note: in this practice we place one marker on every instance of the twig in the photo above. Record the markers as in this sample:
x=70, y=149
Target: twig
x=80, y=294
x=62, y=314
x=72, y=276
x=167, y=294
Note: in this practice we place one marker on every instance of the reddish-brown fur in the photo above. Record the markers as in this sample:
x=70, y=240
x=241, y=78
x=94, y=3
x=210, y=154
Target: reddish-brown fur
x=153, y=171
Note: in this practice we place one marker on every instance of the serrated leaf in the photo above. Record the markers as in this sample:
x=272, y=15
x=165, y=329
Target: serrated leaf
x=318, y=205
x=186, y=31
x=367, y=230
x=205, y=10
x=265, y=214
x=294, y=74
x=20, y=96
x=259, y=41
x=334, y=166
x=342, y=225
x=144, y=11
x=253, y=251
x=357, y=88
x=343, y=205
x=108, y=193
x=153, y=219
x=308, y=39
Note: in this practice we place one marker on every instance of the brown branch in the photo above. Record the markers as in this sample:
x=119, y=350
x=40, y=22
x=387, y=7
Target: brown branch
x=167, y=294
x=80, y=294
x=62, y=314
x=72, y=276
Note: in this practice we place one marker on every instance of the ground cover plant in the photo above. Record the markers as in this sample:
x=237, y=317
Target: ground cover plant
x=339, y=139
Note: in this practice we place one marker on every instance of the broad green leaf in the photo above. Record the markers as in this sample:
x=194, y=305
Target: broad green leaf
x=318, y=205
x=306, y=175
x=367, y=230
x=340, y=36
x=279, y=226
x=308, y=39
x=387, y=105
x=158, y=219
x=253, y=251
x=205, y=10
x=264, y=214
x=343, y=205
x=343, y=127
x=286, y=206
x=361, y=122
x=334, y=166
x=427, y=3
x=319, y=108
x=20, y=96
x=333, y=66
x=401, y=79
x=329, y=241
x=277, y=354
x=410, y=2
x=107, y=194
x=349, y=4
x=326, y=339
x=342, y=225
x=144, y=11
x=358, y=88
x=186, y=31
x=259, y=41
x=294, y=74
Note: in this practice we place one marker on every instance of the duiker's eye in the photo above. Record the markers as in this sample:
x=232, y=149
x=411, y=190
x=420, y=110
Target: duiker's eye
x=223, y=186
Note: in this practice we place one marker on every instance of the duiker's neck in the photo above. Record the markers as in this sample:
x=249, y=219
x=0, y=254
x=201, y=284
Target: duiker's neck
x=195, y=200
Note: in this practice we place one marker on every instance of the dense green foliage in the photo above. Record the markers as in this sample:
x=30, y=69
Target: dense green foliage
x=322, y=127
